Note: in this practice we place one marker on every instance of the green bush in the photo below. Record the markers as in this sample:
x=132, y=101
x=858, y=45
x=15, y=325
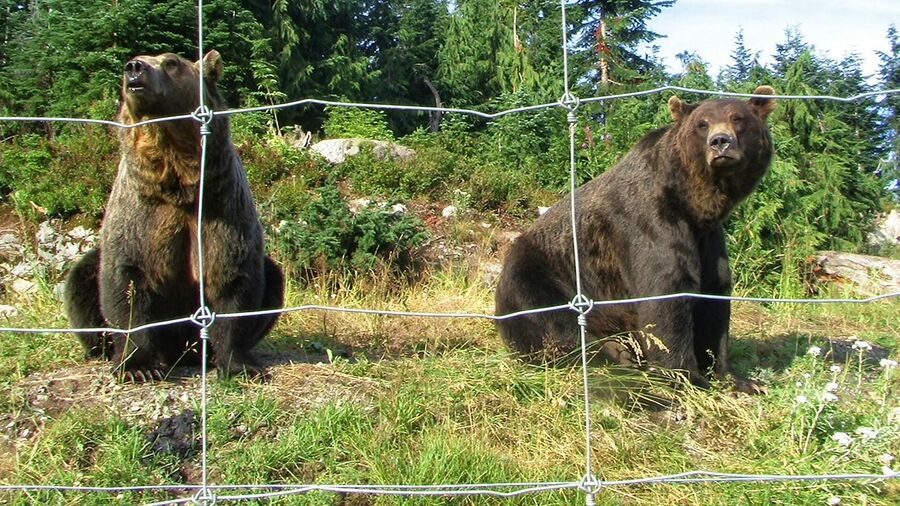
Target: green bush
x=72, y=175
x=355, y=122
x=328, y=236
x=275, y=158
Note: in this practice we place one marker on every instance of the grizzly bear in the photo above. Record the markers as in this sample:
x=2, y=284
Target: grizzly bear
x=145, y=269
x=651, y=225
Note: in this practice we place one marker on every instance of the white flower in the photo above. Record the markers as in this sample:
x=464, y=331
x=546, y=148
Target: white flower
x=834, y=501
x=887, y=471
x=867, y=433
x=886, y=458
x=829, y=397
x=835, y=369
x=831, y=386
x=799, y=384
x=842, y=438
x=807, y=375
x=801, y=399
x=814, y=351
x=862, y=345
x=887, y=363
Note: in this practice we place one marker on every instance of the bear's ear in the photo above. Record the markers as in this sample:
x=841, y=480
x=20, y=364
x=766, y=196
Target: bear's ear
x=763, y=106
x=679, y=109
x=213, y=66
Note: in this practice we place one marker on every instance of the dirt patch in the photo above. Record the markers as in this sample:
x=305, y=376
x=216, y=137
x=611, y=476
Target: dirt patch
x=298, y=385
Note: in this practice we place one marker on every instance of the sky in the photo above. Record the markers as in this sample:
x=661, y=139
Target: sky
x=834, y=28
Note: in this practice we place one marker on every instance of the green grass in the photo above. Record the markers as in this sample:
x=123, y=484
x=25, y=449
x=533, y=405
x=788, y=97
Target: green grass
x=440, y=402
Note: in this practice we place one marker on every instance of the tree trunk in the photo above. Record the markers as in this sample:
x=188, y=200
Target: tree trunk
x=434, y=117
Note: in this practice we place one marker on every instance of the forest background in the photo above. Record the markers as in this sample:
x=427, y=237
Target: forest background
x=363, y=399
x=835, y=165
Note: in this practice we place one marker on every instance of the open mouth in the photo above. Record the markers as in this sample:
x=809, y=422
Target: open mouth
x=135, y=89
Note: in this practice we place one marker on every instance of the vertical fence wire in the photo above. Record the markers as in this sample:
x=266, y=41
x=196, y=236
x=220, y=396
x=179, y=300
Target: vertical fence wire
x=204, y=318
x=205, y=496
x=570, y=102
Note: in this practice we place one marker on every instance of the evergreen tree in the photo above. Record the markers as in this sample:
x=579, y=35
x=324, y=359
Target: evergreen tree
x=889, y=109
x=612, y=34
x=744, y=64
x=789, y=51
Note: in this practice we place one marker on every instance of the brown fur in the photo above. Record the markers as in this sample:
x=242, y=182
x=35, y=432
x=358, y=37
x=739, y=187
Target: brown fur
x=651, y=225
x=146, y=268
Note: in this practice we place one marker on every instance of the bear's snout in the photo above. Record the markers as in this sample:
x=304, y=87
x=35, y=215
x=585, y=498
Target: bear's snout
x=134, y=69
x=721, y=141
x=136, y=75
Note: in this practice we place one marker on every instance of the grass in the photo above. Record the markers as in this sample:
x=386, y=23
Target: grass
x=438, y=401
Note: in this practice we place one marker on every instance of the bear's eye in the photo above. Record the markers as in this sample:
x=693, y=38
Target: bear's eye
x=702, y=125
x=737, y=119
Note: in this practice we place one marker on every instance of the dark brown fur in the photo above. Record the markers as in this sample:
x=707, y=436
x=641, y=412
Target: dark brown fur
x=146, y=268
x=651, y=225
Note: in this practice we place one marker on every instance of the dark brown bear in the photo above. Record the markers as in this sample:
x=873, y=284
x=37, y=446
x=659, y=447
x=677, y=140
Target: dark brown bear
x=651, y=225
x=146, y=268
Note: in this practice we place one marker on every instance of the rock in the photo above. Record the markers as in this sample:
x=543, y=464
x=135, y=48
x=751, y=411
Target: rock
x=489, y=272
x=541, y=210
x=870, y=275
x=449, y=211
x=337, y=151
x=358, y=205
x=8, y=311
x=23, y=286
x=399, y=209
x=176, y=435
x=507, y=237
x=10, y=246
x=888, y=231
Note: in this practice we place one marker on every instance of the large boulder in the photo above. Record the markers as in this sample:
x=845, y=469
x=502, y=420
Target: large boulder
x=337, y=151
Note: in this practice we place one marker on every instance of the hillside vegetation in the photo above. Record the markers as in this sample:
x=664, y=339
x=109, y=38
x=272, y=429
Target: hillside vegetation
x=358, y=399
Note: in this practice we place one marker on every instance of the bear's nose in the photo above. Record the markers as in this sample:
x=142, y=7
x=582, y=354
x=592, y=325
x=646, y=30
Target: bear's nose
x=720, y=142
x=134, y=68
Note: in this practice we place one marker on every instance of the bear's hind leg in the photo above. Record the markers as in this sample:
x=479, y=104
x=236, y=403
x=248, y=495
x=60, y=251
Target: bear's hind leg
x=81, y=301
x=233, y=338
x=127, y=302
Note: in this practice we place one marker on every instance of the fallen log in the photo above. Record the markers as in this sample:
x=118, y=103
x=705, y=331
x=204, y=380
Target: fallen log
x=866, y=274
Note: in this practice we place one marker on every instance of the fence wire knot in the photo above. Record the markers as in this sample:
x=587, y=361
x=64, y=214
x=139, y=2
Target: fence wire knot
x=590, y=485
x=204, y=116
x=571, y=103
x=204, y=497
x=582, y=305
x=203, y=317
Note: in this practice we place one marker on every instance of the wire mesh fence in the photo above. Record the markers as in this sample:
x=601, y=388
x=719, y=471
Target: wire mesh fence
x=589, y=484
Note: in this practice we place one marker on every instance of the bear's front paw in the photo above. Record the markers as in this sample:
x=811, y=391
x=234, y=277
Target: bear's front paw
x=246, y=367
x=142, y=375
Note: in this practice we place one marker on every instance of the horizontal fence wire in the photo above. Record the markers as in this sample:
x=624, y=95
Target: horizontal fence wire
x=469, y=112
x=206, y=493
x=486, y=489
x=482, y=316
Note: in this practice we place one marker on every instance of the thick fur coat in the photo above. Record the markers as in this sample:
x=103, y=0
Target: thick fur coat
x=651, y=225
x=146, y=267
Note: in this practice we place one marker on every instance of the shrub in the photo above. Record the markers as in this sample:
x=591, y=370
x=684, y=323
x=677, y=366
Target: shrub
x=274, y=159
x=328, y=236
x=355, y=122
x=69, y=176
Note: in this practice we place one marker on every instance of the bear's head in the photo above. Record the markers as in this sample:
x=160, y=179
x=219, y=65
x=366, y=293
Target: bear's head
x=726, y=136
x=167, y=85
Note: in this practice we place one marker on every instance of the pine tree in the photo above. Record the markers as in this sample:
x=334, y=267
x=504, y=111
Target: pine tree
x=889, y=109
x=613, y=32
x=744, y=64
